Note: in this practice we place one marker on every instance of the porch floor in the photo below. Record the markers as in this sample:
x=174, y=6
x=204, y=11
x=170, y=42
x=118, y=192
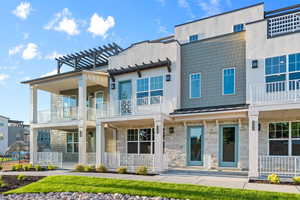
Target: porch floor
x=173, y=177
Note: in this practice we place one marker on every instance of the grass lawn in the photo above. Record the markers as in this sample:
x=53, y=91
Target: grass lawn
x=143, y=188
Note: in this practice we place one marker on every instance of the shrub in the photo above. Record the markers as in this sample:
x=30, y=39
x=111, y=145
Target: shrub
x=101, y=169
x=51, y=167
x=274, y=178
x=27, y=167
x=38, y=168
x=89, y=168
x=296, y=179
x=17, y=167
x=79, y=168
x=21, y=177
x=122, y=170
x=1, y=167
x=2, y=184
x=142, y=170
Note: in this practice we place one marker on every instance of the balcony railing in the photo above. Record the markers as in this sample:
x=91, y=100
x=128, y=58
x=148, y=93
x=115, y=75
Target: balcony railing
x=139, y=106
x=275, y=93
x=64, y=114
x=284, y=24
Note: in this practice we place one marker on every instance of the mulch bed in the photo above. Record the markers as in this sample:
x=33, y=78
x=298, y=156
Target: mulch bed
x=268, y=182
x=13, y=183
x=113, y=172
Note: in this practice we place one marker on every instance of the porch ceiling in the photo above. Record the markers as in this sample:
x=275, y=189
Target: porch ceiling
x=69, y=80
x=280, y=115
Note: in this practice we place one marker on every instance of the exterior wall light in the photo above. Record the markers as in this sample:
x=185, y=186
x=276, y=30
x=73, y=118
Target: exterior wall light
x=168, y=77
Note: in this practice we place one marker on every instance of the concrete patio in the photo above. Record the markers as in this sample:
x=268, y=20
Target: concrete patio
x=199, y=178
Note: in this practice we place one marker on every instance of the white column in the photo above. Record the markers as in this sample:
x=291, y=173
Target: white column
x=82, y=116
x=253, y=143
x=158, y=143
x=100, y=143
x=33, y=144
x=33, y=105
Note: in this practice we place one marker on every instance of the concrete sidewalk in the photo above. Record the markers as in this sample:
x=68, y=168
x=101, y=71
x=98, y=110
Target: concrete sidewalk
x=198, y=179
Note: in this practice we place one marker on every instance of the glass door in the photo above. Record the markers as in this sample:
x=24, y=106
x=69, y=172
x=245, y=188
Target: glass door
x=228, y=145
x=125, y=105
x=195, y=145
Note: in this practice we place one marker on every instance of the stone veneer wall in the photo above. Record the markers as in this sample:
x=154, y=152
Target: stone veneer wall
x=176, y=144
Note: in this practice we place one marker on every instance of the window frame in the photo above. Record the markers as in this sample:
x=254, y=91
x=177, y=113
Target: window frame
x=196, y=38
x=290, y=139
x=72, y=142
x=234, y=81
x=139, y=141
x=190, y=85
x=239, y=30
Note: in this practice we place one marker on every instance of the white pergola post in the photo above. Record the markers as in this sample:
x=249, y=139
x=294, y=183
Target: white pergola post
x=100, y=143
x=33, y=145
x=158, y=143
x=82, y=117
x=33, y=105
x=253, y=143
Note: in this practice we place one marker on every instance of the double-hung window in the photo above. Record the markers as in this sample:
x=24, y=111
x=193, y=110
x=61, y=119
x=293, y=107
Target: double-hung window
x=140, y=141
x=294, y=71
x=149, y=90
x=72, y=142
x=284, y=139
x=195, y=85
x=275, y=71
x=228, y=81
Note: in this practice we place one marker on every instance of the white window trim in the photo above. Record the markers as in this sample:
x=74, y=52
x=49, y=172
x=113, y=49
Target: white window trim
x=73, y=143
x=190, y=85
x=234, y=81
x=152, y=141
x=289, y=139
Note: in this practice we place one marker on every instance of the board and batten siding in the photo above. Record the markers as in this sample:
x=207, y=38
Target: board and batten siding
x=209, y=57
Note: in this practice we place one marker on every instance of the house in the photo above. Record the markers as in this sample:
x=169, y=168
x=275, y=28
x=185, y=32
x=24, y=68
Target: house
x=221, y=93
x=3, y=134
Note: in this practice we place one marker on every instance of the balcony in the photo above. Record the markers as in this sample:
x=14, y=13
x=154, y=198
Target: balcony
x=135, y=107
x=64, y=114
x=283, y=92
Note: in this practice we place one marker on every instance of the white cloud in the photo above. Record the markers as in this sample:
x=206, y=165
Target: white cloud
x=185, y=4
x=23, y=10
x=30, y=52
x=99, y=26
x=15, y=50
x=8, y=68
x=50, y=73
x=162, y=2
x=53, y=55
x=161, y=29
x=63, y=22
x=210, y=7
x=3, y=78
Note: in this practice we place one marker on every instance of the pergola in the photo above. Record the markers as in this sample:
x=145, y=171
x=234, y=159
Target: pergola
x=89, y=59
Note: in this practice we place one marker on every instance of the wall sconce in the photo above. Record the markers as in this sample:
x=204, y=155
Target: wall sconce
x=113, y=86
x=171, y=130
x=254, y=64
x=168, y=77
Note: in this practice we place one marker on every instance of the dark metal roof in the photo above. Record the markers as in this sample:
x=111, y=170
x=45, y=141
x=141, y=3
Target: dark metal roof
x=138, y=68
x=209, y=109
x=220, y=14
x=283, y=11
x=88, y=59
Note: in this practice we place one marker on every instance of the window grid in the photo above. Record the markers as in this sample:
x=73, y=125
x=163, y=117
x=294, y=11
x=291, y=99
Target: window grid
x=149, y=87
x=228, y=81
x=283, y=24
x=195, y=85
x=72, y=142
x=193, y=38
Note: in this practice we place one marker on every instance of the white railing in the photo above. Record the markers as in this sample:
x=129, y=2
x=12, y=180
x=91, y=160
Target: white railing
x=132, y=161
x=139, y=106
x=284, y=24
x=275, y=93
x=48, y=158
x=280, y=165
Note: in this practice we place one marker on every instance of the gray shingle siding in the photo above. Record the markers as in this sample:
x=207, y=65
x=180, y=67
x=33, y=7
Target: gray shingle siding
x=209, y=57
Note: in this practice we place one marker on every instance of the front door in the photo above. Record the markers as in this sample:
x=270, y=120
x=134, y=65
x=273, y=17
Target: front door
x=125, y=104
x=228, y=145
x=195, y=145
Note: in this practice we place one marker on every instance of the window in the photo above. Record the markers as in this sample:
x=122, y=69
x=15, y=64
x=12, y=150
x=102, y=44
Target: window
x=140, y=141
x=294, y=62
x=69, y=106
x=72, y=142
x=238, y=28
x=275, y=65
x=155, y=91
x=284, y=139
x=195, y=85
x=228, y=81
x=193, y=38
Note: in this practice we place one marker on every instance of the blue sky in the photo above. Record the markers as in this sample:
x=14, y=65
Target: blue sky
x=34, y=32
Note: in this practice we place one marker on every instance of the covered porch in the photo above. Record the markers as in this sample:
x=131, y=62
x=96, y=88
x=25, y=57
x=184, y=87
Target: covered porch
x=274, y=145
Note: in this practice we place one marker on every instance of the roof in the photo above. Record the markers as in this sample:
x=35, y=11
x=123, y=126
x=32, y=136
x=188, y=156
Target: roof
x=89, y=59
x=4, y=117
x=224, y=13
x=61, y=75
x=138, y=68
x=209, y=109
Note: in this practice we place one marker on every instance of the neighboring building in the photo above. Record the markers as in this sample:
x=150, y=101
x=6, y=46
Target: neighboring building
x=3, y=134
x=18, y=131
x=222, y=93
